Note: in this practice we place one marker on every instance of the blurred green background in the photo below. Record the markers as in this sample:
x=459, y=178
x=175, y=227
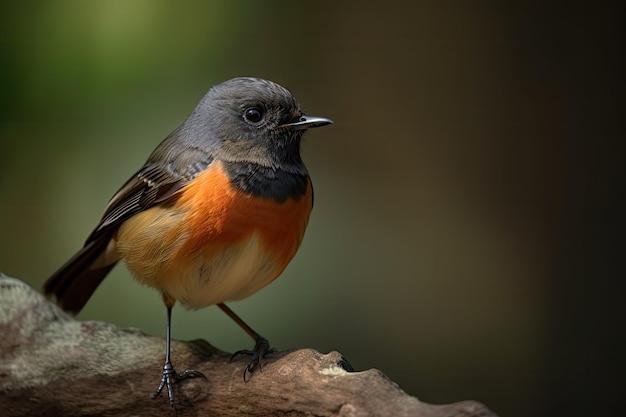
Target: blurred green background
x=464, y=238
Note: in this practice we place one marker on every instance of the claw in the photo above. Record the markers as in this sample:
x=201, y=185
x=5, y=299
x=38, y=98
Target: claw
x=261, y=348
x=168, y=378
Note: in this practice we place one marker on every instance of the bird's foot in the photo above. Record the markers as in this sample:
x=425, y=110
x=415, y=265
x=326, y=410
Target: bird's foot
x=169, y=376
x=257, y=354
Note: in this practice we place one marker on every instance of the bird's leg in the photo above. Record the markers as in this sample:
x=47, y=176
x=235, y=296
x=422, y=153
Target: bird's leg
x=261, y=344
x=169, y=373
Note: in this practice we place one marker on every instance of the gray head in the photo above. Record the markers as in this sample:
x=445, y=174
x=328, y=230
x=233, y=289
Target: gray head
x=249, y=120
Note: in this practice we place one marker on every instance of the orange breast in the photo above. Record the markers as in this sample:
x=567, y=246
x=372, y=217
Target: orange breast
x=213, y=243
x=218, y=216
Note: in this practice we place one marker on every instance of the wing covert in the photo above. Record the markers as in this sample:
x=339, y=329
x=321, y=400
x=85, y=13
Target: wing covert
x=154, y=183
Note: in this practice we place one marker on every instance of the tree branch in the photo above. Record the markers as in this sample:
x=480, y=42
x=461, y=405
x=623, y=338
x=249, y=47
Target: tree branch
x=51, y=364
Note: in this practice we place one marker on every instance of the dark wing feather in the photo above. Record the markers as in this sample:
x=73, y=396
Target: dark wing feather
x=154, y=183
x=145, y=189
x=157, y=181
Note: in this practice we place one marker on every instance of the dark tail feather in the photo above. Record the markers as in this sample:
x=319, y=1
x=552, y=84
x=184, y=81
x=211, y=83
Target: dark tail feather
x=75, y=282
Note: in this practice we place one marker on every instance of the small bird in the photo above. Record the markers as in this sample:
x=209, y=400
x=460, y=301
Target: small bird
x=215, y=214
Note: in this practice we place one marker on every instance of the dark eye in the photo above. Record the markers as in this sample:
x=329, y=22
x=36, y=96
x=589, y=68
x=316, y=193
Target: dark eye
x=253, y=114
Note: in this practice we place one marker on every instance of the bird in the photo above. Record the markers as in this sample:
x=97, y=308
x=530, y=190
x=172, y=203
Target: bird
x=216, y=213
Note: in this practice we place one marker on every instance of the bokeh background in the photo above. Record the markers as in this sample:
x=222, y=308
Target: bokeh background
x=465, y=238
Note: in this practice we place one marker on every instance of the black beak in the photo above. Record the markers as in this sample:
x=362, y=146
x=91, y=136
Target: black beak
x=307, y=122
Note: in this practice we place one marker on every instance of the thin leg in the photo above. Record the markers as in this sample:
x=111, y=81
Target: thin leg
x=261, y=344
x=254, y=335
x=169, y=373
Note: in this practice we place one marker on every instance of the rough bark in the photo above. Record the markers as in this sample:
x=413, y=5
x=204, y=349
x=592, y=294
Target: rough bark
x=51, y=364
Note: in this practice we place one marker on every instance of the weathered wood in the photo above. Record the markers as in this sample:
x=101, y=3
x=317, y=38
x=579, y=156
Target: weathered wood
x=51, y=364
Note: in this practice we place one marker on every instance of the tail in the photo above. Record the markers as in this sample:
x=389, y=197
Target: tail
x=75, y=282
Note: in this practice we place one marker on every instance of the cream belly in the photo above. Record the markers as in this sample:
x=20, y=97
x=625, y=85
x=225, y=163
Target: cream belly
x=232, y=274
x=211, y=275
